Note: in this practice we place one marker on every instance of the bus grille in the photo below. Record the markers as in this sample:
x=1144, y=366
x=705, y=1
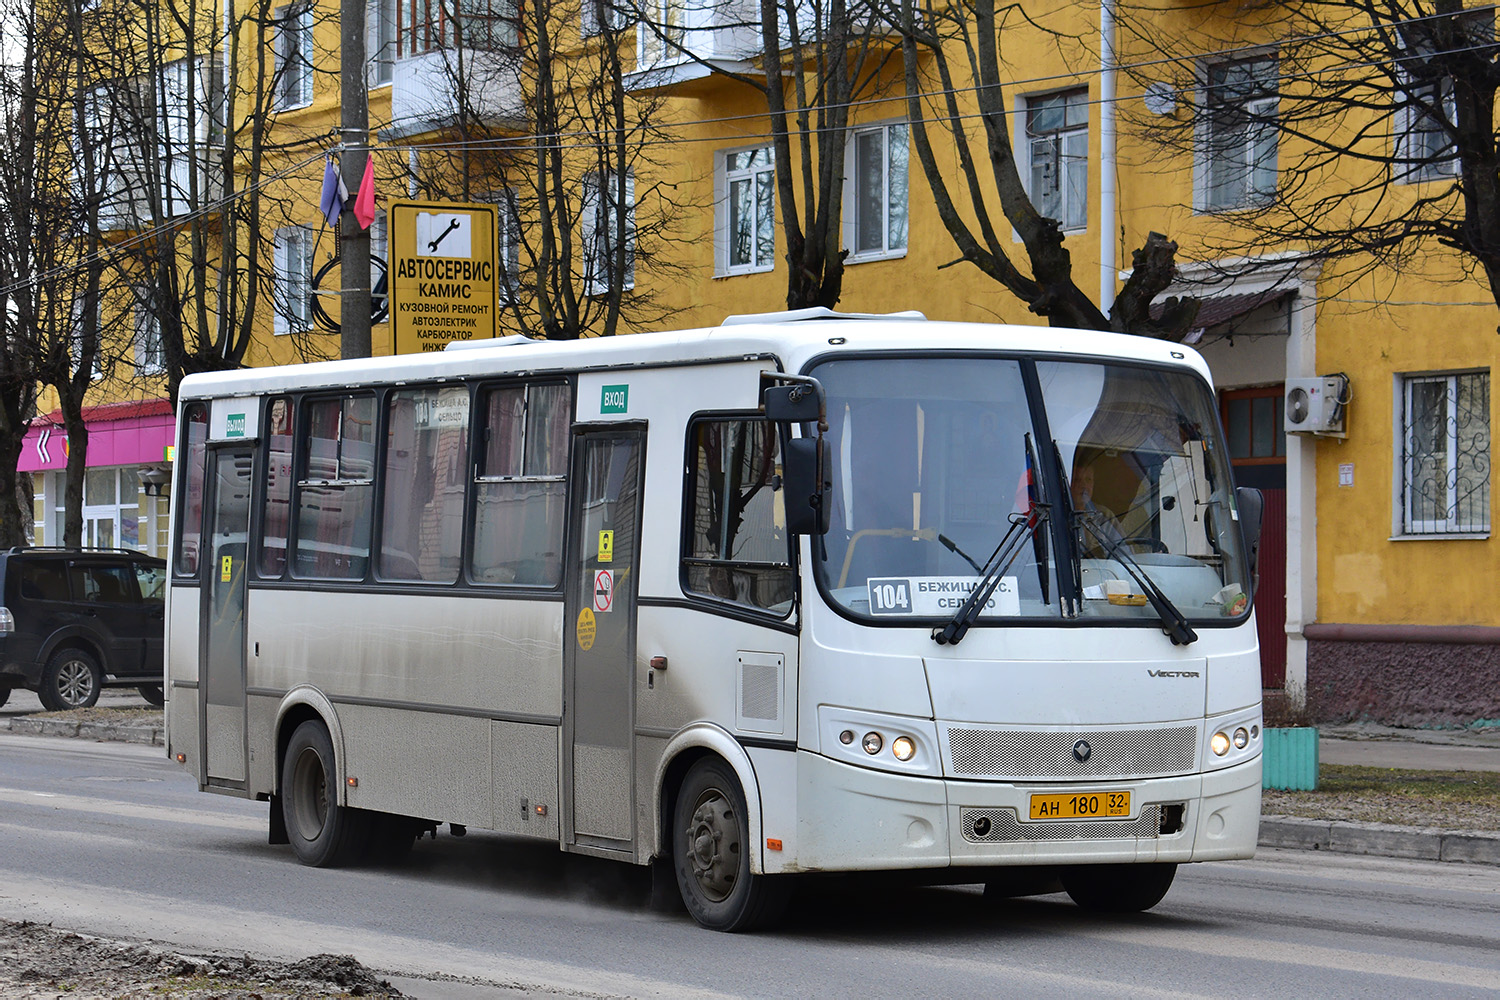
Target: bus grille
x=1001, y=753
x=1004, y=827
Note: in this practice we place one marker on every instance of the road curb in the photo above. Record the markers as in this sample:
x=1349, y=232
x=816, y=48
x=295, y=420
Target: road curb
x=1384, y=839
x=101, y=731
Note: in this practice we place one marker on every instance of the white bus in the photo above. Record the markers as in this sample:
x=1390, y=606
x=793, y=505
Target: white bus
x=804, y=592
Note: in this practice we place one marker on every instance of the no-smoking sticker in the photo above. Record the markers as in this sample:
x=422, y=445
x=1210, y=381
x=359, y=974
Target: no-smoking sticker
x=604, y=590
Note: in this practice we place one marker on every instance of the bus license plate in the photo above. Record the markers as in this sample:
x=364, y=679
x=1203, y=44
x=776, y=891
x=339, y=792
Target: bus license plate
x=1081, y=805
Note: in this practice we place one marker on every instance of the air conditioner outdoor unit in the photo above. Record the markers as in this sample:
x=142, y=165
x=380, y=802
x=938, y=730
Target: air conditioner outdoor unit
x=1316, y=405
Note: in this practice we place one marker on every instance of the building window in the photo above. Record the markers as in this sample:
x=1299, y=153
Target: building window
x=1057, y=142
x=606, y=219
x=1424, y=145
x=111, y=508
x=150, y=356
x=737, y=546
x=745, y=222
x=292, y=293
x=599, y=14
x=380, y=41
x=1253, y=423
x=875, y=219
x=1445, y=464
x=1237, y=161
x=428, y=26
x=660, y=32
x=294, y=55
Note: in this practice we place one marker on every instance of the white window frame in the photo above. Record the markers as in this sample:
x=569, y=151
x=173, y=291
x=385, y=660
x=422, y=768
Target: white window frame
x=1417, y=158
x=150, y=352
x=1409, y=520
x=596, y=13
x=292, y=293
x=1072, y=217
x=508, y=248
x=890, y=166
x=380, y=42
x=294, y=55
x=660, y=18
x=596, y=231
x=724, y=181
x=1256, y=156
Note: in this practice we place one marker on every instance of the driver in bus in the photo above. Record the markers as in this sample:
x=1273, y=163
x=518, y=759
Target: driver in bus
x=1103, y=533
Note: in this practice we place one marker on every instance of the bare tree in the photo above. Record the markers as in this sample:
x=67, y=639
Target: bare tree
x=1360, y=135
x=542, y=122
x=946, y=45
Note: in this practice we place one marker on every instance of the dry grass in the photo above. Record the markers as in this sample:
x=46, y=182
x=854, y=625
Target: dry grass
x=1455, y=800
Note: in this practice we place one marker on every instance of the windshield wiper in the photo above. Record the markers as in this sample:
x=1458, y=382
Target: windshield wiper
x=1172, y=621
x=1021, y=527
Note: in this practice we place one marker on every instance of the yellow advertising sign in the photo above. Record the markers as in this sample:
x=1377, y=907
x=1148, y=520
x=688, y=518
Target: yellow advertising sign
x=442, y=274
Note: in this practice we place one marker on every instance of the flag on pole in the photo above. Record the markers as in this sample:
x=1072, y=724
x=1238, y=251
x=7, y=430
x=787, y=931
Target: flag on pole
x=364, y=201
x=335, y=194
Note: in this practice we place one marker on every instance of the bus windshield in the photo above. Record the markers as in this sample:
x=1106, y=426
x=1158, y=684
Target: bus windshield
x=935, y=459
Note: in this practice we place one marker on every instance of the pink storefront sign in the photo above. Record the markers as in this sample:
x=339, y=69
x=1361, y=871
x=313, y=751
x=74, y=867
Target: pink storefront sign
x=119, y=434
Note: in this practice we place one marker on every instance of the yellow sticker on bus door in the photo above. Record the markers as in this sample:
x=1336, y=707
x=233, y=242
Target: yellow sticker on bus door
x=606, y=545
x=226, y=564
x=586, y=629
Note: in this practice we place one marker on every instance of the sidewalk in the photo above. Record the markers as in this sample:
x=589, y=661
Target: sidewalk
x=1358, y=744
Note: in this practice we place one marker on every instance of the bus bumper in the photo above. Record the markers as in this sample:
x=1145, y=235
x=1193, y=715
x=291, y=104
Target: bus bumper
x=849, y=818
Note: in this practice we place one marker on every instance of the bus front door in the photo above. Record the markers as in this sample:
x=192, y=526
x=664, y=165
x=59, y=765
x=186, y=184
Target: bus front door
x=223, y=652
x=599, y=710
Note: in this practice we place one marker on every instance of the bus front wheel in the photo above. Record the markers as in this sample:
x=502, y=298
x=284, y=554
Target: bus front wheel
x=711, y=854
x=1118, y=888
x=323, y=833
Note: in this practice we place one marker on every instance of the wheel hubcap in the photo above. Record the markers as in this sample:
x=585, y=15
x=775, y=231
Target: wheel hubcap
x=75, y=682
x=310, y=795
x=713, y=854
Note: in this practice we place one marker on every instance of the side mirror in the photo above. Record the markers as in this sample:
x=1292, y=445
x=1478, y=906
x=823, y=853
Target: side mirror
x=1250, y=504
x=804, y=461
x=796, y=403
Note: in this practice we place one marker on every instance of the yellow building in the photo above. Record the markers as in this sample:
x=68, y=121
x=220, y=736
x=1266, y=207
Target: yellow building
x=1355, y=390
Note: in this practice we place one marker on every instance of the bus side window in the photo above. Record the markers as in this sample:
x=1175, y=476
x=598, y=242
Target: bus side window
x=336, y=492
x=737, y=542
x=425, y=465
x=276, y=516
x=521, y=485
x=194, y=459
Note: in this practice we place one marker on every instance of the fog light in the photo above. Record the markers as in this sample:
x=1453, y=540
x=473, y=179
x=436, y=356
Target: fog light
x=1241, y=738
x=873, y=743
x=1219, y=744
x=903, y=748
x=846, y=737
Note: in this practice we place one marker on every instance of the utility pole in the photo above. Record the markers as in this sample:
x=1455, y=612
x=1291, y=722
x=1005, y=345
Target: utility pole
x=354, y=129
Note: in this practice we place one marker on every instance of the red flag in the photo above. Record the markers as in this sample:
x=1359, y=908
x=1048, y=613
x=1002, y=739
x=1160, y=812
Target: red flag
x=364, y=202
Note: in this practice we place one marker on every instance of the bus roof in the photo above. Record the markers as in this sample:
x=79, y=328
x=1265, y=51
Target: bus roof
x=784, y=340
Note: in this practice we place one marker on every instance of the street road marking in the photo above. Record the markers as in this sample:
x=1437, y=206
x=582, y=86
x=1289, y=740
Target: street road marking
x=107, y=807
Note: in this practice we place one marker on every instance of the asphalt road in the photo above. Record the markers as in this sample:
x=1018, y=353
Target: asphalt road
x=112, y=839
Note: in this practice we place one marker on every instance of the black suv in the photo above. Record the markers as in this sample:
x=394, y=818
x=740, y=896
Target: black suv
x=75, y=620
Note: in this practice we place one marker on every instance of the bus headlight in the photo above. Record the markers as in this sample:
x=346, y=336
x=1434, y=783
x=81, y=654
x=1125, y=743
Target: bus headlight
x=1241, y=738
x=872, y=743
x=1219, y=744
x=903, y=748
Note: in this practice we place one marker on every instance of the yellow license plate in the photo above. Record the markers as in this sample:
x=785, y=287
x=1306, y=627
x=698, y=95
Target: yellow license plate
x=1081, y=805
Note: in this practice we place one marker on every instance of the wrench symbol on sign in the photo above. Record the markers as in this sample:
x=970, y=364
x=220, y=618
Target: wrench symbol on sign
x=432, y=244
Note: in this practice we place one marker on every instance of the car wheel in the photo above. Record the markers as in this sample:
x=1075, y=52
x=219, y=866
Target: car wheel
x=1118, y=888
x=71, y=680
x=711, y=854
x=153, y=693
x=323, y=833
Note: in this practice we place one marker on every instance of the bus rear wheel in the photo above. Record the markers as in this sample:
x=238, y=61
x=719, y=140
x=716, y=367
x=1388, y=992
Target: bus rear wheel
x=711, y=854
x=323, y=833
x=1118, y=888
